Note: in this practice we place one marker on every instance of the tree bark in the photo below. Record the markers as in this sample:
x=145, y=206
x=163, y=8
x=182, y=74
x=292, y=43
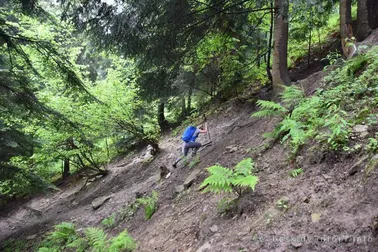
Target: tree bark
x=363, y=28
x=372, y=7
x=66, y=168
x=161, y=117
x=268, y=72
x=345, y=26
x=280, y=73
x=345, y=17
x=189, y=104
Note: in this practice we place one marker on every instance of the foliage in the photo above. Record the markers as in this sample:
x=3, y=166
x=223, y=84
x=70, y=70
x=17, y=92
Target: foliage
x=12, y=245
x=194, y=162
x=283, y=204
x=223, y=179
x=109, y=221
x=329, y=115
x=296, y=172
x=225, y=205
x=149, y=203
x=65, y=237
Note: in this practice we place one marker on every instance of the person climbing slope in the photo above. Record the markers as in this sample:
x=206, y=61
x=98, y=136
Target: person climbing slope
x=189, y=137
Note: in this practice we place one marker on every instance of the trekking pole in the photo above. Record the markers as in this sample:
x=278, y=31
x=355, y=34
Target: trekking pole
x=208, y=131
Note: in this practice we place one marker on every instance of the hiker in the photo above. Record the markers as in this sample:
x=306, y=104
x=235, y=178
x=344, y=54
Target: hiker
x=189, y=137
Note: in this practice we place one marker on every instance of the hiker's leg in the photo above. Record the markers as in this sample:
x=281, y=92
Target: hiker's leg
x=195, y=146
x=185, y=150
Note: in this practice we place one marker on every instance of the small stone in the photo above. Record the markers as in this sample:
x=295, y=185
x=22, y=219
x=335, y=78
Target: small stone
x=327, y=177
x=31, y=237
x=98, y=202
x=306, y=200
x=315, y=217
x=296, y=244
x=214, y=228
x=180, y=189
x=190, y=179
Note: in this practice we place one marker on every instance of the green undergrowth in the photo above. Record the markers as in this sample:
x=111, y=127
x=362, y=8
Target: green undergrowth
x=67, y=237
x=348, y=97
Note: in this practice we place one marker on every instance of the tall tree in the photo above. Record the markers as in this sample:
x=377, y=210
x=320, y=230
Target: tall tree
x=372, y=6
x=363, y=28
x=280, y=73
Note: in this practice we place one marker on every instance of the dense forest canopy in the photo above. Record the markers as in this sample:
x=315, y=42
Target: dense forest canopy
x=84, y=81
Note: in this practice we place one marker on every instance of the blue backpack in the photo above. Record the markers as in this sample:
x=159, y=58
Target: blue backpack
x=188, y=133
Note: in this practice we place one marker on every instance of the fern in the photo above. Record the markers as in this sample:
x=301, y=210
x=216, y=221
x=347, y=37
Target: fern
x=292, y=95
x=110, y=221
x=63, y=234
x=269, y=109
x=222, y=179
x=122, y=242
x=245, y=166
x=79, y=244
x=246, y=181
x=150, y=204
x=219, y=180
x=294, y=173
x=96, y=239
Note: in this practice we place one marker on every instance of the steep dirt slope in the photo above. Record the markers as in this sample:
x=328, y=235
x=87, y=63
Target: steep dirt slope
x=325, y=203
x=331, y=207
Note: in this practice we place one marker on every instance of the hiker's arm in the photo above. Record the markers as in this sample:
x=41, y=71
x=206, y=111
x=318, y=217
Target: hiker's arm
x=204, y=130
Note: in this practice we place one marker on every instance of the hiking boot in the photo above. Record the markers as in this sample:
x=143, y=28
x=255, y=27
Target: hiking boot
x=174, y=165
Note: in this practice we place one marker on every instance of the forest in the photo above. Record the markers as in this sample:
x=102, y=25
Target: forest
x=84, y=83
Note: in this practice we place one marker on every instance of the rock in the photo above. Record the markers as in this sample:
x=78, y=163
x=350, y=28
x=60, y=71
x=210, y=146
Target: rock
x=361, y=130
x=189, y=180
x=98, y=202
x=306, y=200
x=179, y=189
x=31, y=237
x=164, y=171
x=231, y=148
x=327, y=177
x=296, y=244
x=214, y=228
x=315, y=217
x=205, y=247
x=354, y=169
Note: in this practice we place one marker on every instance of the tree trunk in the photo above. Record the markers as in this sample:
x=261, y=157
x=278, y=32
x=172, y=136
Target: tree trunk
x=258, y=60
x=345, y=26
x=189, y=104
x=161, y=117
x=183, y=108
x=345, y=17
x=270, y=42
x=280, y=73
x=363, y=28
x=66, y=168
x=372, y=7
x=309, y=40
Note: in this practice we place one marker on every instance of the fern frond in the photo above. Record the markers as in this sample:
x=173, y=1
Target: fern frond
x=266, y=113
x=269, y=108
x=122, y=242
x=244, y=167
x=219, y=180
x=79, y=244
x=248, y=181
x=292, y=95
x=149, y=203
x=96, y=239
